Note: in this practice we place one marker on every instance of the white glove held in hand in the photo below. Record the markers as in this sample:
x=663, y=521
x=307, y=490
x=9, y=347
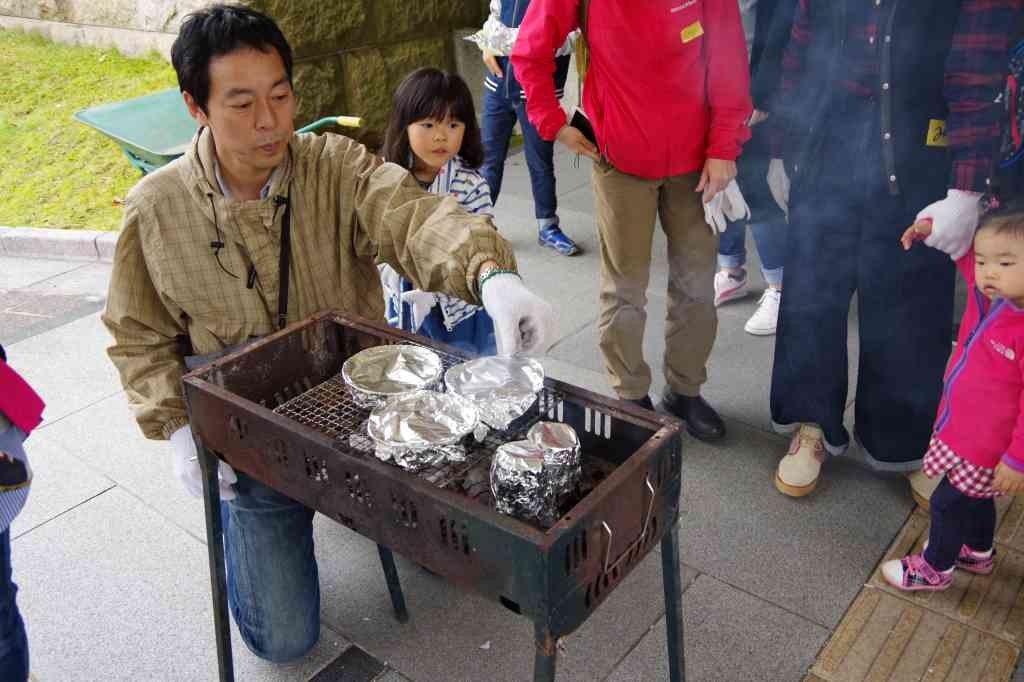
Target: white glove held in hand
x=188, y=471
x=523, y=322
x=778, y=184
x=954, y=220
x=421, y=302
x=727, y=204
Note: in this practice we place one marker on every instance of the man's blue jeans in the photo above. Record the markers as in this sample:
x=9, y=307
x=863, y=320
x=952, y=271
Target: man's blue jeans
x=273, y=583
x=499, y=119
x=13, y=642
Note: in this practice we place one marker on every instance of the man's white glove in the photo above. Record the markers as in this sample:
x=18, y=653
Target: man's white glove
x=188, y=471
x=778, y=184
x=421, y=302
x=523, y=322
x=954, y=220
x=727, y=205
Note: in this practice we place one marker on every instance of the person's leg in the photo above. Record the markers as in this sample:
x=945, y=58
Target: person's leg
x=932, y=570
x=13, y=641
x=809, y=376
x=950, y=513
x=626, y=208
x=731, y=278
x=905, y=309
x=770, y=241
x=981, y=527
x=691, y=322
x=541, y=165
x=273, y=584
x=496, y=124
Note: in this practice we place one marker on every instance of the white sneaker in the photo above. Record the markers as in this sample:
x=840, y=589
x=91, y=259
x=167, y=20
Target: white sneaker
x=798, y=472
x=729, y=287
x=766, y=317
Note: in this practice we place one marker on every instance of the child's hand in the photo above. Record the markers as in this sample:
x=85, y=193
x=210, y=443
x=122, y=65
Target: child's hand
x=491, y=62
x=1008, y=480
x=917, y=232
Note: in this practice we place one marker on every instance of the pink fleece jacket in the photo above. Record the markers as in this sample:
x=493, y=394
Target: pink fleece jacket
x=981, y=414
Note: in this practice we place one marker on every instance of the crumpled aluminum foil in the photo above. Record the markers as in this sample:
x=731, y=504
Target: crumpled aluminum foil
x=532, y=479
x=377, y=374
x=503, y=388
x=422, y=429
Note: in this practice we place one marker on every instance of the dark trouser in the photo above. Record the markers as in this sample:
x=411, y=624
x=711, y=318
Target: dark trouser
x=958, y=519
x=844, y=238
x=499, y=118
x=13, y=642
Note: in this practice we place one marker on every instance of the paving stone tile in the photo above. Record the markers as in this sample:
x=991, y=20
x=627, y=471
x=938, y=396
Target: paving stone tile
x=730, y=635
x=28, y=312
x=809, y=555
x=67, y=366
x=1010, y=529
x=21, y=271
x=885, y=637
x=119, y=451
x=60, y=482
x=112, y=591
x=993, y=604
x=453, y=634
x=86, y=279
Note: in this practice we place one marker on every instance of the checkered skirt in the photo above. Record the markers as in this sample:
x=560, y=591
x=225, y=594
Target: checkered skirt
x=970, y=479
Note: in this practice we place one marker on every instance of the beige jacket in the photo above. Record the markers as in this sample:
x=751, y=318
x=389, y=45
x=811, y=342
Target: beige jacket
x=349, y=211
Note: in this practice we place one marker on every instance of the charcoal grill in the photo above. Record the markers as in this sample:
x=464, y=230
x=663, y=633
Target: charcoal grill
x=278, y=411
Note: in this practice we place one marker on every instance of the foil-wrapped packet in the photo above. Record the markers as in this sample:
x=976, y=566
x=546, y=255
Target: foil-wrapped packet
x=532, y=479
x=503, y=388
x=378, y=374
x=422, y=429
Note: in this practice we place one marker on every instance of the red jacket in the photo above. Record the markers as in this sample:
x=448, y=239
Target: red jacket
x=18, y=401
x=980, y=416
x=667, y=87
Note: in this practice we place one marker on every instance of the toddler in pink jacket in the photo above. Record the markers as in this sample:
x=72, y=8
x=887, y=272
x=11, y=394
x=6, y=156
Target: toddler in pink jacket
x=978, y=440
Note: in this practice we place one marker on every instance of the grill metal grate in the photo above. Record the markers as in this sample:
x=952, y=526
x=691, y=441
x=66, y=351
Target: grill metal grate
x=329, y=409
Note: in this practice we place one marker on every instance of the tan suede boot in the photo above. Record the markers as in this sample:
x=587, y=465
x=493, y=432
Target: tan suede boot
x=922, y=487
x=799, y=470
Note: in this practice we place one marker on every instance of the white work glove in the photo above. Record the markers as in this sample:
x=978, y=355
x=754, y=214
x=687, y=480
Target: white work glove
x=421, y=302
x=727, y=204
x=778, y=184
x=188, y=471
x=523, y=322
x=954, y=220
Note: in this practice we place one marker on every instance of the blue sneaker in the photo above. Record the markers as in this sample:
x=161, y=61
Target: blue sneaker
x=553, y=238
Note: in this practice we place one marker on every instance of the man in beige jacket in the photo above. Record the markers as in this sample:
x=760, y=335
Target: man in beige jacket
x=197, y=272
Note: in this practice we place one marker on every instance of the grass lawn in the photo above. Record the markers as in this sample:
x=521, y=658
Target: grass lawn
x=55, y=171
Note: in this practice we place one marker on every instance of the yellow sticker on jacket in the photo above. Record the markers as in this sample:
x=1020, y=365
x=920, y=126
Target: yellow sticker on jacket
x=937, y=134
x=692, y=32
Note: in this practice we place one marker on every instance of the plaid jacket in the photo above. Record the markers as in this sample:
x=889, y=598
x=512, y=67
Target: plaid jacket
x=349, y=211
x=975, y=70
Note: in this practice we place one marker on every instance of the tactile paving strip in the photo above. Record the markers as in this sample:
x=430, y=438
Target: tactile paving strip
x=886, y=638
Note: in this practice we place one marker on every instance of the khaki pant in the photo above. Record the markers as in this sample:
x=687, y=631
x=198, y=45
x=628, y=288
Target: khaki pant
x=627, y=206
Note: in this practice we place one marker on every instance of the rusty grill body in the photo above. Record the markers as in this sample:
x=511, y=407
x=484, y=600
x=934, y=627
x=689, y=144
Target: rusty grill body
x=278, y=411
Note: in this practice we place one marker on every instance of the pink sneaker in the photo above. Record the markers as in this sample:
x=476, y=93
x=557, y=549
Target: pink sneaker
x=729, y=287
x=913, y=573
x=971, y=561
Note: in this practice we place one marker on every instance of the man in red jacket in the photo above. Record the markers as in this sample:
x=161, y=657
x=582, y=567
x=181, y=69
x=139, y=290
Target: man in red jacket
x=667, y=94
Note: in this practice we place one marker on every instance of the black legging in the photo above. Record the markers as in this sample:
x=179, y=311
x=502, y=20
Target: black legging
x=958, y=519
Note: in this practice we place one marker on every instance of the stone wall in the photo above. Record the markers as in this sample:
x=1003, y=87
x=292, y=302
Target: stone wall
x=350, y=54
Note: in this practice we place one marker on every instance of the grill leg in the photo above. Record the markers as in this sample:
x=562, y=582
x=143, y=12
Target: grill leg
x=387, y=562
x=546, y=651
x=215, y=546
x=673, y=604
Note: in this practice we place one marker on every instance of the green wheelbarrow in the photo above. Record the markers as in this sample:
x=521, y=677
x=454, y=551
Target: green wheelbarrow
x=153, y=130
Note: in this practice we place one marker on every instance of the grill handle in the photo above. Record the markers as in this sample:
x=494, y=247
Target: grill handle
x=643, y=533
